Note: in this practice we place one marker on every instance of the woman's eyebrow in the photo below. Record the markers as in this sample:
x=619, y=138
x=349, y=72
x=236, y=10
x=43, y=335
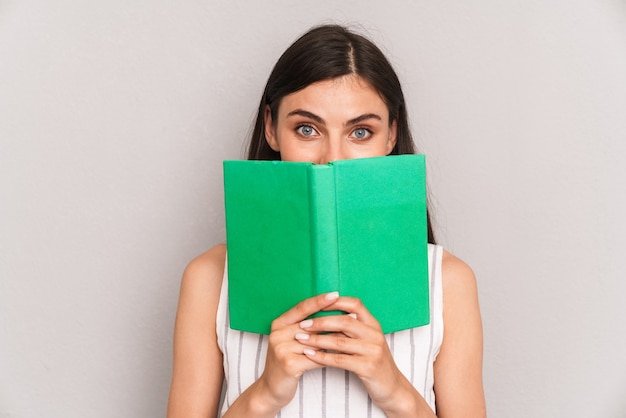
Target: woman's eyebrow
x=353, y=121
x=306, y=114
x=361, y=118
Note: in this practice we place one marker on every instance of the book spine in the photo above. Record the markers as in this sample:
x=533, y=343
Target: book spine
x=325, y=254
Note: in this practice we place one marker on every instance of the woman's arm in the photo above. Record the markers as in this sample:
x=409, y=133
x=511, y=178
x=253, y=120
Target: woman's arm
x=198, y=373
x=458, y=368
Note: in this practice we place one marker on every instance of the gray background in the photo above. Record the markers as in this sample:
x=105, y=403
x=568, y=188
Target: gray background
x=115, y=117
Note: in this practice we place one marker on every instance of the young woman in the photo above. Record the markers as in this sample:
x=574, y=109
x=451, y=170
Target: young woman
x=331, y=96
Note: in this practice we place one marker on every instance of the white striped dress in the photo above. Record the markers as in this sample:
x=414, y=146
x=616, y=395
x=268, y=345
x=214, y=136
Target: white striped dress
x=331, y=392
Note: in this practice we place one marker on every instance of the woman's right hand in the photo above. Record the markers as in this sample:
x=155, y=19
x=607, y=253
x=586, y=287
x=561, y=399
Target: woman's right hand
x=286, y=362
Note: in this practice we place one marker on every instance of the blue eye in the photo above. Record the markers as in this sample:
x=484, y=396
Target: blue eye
x=361, y=133
x=306, y=130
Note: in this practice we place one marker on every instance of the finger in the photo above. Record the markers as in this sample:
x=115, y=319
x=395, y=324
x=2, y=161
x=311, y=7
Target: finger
x=284, y=349
x=336, y=342
x=347, y=325
x=338, y=360
x=354, y=306
x=304, y=309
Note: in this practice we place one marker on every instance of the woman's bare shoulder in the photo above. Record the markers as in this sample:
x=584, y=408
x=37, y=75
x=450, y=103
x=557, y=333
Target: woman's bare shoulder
x=208, y=265
x=458, y=277
x=202, y=278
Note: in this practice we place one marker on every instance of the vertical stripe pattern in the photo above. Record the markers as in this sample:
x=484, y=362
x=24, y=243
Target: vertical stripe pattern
x=257, y=361
x=330, y=392
x=239, y=356
x=225, y=353
x=346, y=392
x=301, y=397
x=431, y=341
x=324, y=392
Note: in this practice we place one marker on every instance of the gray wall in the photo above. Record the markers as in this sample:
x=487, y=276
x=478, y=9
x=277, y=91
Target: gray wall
x=114, y=119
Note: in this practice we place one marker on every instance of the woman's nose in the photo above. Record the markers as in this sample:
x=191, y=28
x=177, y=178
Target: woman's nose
x=332, y=152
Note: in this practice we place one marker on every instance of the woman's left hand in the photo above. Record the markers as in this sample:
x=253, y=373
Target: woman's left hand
x=355, y=342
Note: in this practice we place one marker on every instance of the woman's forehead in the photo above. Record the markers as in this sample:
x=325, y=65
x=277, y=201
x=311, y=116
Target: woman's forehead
x=343, y=97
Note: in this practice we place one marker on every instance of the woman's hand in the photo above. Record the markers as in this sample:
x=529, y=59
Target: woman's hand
x=286, y=361
x=355, y=342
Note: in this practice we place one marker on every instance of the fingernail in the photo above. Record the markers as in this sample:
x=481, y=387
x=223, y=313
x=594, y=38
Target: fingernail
x=306, y=323
x=302, y=336
x=309, y=352
x=352, y=315
x=332, y=296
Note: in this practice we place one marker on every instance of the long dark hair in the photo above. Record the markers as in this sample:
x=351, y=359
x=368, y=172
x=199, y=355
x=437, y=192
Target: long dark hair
x=323, y=53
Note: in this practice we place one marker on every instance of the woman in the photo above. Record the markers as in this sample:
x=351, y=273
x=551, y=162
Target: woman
x=332, y=95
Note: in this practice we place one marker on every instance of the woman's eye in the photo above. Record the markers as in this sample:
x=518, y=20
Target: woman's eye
x=306, y=130
x=361, y=133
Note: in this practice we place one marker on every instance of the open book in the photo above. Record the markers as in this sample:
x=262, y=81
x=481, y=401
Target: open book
x=295, y=230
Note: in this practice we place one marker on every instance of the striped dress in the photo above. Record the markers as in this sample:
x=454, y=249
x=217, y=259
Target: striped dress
x=331, y=392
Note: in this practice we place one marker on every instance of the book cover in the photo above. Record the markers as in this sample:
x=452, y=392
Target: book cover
x=295, y=230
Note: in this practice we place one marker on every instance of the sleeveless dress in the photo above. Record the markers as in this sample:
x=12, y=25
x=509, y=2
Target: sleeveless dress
x=331, y=392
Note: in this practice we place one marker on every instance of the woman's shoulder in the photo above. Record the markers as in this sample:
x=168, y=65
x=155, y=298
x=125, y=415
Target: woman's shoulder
x=203, y=275
x=457, y=275
x=456, y=271
x=209, y=262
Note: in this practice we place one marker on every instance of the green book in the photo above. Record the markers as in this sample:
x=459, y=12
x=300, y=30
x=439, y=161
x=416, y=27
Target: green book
x=295, y=230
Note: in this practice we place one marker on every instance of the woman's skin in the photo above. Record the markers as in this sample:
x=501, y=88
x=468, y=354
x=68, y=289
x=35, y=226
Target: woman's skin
x=330, y=120
x=337, y=119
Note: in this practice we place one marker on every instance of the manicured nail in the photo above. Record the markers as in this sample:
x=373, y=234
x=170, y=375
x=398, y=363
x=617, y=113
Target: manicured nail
x=309, y=352
x=302, y=336
x=306, y=323
x=332, y=296
x=352, y=315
